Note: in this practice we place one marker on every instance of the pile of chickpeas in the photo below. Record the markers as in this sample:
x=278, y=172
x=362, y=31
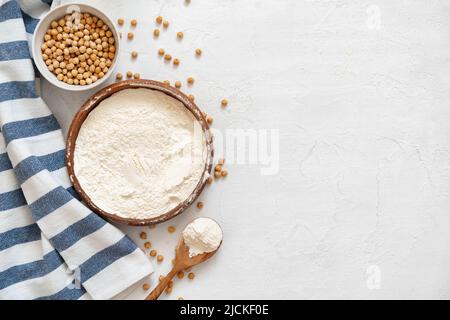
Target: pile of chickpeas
x=78, y=53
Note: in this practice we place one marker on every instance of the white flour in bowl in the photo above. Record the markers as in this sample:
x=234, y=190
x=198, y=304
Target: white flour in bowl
x=139, y=153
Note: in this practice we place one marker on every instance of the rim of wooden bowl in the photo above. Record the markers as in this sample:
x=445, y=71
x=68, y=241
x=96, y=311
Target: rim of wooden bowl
x=92, y=103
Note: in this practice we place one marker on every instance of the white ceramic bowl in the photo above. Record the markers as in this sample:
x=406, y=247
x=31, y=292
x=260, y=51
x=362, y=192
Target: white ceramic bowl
x=38, y=39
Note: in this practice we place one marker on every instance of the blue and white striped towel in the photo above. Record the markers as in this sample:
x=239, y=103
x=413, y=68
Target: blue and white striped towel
x=49, y=241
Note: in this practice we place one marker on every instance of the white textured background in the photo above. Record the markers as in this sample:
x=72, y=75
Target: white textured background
x=360, y=91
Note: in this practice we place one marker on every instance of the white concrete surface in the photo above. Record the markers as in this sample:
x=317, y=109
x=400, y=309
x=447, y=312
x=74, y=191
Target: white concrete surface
x=359, y=91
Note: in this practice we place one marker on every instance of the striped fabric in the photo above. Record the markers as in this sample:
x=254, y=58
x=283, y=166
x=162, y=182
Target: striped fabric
x=51, y=245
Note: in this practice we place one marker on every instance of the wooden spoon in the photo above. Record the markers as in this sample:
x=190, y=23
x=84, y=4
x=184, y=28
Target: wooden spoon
x=182, y=261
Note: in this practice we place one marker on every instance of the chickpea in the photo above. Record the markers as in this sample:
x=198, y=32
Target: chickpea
x=137, y=76
x=171, y=229
x=153, y=253
x=145, y=286
x=160, y=258
x=200, y=205
x=134, y=54
x=177, y=84
x=176, y=62
x=191, y=275
x=147, y=245
x=161, y=51
x=119, y=76
x=156, y=32
x=191, y=97
x=133, y=23
x=167, y=57
x=180, y=35
x=198, y=52
x=130, y=35
x=166, y=24
x=129, y=74
x=224, y=102
x=120, y=21
x=159, y=19
x=190, y=80
x=143, y=235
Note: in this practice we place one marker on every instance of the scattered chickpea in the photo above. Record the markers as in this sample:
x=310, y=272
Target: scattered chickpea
x=171, y=229
x=129, y=74
x=133, y=23
x=145, y=286
x=191, y=97
x=209, y=120
x=159, y=19
x=200, y=205
x=153, y=253
x=160, y=258
x=120, y=21
x=198, y=51
x=130, y=35
x=166, y=24
x=134, y=54
x=161, y=278
x=137, y=76
x=169, y=290
x=217, y=174
x=161, y=51
x=180, y=275
x=180, y=35
x=119, y=76
x=147, y=245
x=176, y=62
x=166, y=82
x=191, y=275
x=210, y=180
x=180, y=298
x=143, y=235
x=177, y=84
x=190, y=80
x=170, y=284
x=218, y=167
x=224, y=173
x=156, y=32
x=224, y=102
x=167, y=57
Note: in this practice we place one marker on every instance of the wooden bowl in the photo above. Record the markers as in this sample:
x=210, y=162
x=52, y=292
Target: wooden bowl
x=93, y=102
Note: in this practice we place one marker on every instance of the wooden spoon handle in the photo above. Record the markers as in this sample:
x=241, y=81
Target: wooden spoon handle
x=154, y=295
